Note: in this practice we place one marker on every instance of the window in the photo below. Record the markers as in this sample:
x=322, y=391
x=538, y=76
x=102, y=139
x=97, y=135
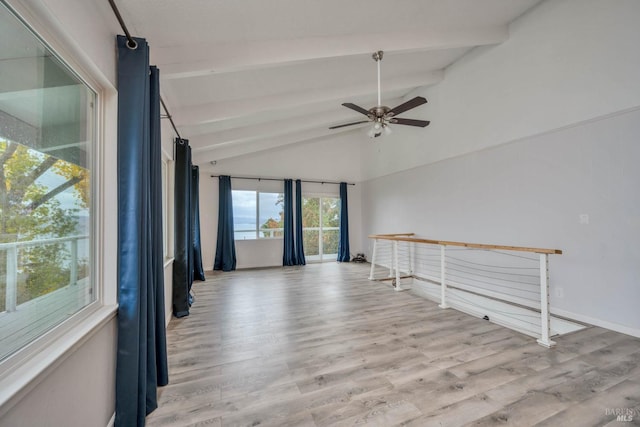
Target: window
x=46, y=163
x=320, y=227
x=257, y=215
x=165, y=209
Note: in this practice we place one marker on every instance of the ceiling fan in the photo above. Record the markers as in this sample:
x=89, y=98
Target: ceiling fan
x=382, y=116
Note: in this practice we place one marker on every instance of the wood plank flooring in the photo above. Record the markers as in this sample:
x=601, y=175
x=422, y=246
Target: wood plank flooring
x=321, y=345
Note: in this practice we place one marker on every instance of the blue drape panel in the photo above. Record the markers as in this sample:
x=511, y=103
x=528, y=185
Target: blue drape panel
x=299, y=246
x=198, y=271
x=183, y=230
x=157, y=363
x=141, y=363
x=225, y=246
x=344, y=254
x=289, y=256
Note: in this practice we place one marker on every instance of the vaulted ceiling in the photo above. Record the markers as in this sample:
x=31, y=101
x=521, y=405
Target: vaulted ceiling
x=246, y=76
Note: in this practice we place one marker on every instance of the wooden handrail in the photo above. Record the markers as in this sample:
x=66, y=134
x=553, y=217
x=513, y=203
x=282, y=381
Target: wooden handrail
x=395, y=234
x=405, y=238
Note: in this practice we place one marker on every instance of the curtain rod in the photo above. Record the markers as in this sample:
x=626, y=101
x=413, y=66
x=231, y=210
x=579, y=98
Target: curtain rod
x=132, y=44
x=281, y=179
x=170, y=118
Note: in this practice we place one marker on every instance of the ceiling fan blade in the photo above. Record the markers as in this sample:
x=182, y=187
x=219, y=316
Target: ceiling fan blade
x=348, y=124
x=410, y=122
x=357, y=108
x=412, y=103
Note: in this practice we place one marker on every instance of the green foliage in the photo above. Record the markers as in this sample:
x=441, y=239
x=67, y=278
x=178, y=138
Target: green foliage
x=29, y=211
x=272, y=224
x=43, y=272
x=72, y=172
x=311, y=213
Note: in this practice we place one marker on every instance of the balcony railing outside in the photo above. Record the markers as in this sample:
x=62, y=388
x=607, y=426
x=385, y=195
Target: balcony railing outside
x=12, y=268
x=261, y=233
x=22, y=321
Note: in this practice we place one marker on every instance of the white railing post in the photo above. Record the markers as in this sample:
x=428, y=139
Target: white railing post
x=373, y=258
x=11, y=292
x=396, y=266
x=545, y=316
x=443, y=283
x=391, y=260
x=411, y=256
x=73, y=271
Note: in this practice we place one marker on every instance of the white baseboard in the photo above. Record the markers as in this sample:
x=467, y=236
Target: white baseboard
x=634, y=332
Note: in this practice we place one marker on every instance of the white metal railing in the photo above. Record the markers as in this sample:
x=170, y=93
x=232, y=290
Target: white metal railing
x=260, y=233
x=268, y=233
x=511, y=283
x=13, y=270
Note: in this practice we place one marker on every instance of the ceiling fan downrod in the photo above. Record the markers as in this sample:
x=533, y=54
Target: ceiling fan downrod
x=377, y=56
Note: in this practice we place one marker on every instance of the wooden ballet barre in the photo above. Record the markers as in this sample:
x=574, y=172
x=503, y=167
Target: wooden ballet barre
x=406, y=238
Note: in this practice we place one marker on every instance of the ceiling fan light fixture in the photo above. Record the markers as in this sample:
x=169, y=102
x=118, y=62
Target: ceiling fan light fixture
x=379, y=128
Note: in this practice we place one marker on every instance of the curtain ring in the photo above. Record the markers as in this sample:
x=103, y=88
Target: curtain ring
x=132, y=44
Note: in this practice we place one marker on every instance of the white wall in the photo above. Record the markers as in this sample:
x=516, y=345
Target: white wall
x=335, y=160
x=78, y=392
x=563, y=92
x=324, y=158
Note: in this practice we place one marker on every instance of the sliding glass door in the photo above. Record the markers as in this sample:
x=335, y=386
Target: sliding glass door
x=321, y=223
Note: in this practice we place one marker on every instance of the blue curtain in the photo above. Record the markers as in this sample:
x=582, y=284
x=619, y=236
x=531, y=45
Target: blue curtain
x=344, y=254
x=157, y=354
x=141, y=364
x=198, y=271
x=289, y=256
x=183, y=232
x=299, y=247
x=225, y=246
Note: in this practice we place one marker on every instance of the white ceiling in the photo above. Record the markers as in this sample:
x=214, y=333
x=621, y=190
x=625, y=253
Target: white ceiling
x=251, y=75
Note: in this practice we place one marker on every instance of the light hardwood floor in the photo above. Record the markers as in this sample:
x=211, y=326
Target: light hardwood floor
x=321, y=345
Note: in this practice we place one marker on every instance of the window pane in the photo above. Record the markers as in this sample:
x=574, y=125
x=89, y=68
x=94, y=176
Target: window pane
x=330, y=212
x=244, y=214
x=310, y=240
x=165, y=210
x=330, y=239
x=310, y=212
x=271, y=214
x=46, y=138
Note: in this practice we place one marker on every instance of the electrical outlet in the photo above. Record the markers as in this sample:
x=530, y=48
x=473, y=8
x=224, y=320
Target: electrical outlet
x=559, y=292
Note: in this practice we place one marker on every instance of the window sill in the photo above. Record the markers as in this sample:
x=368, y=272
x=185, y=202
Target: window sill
x=16, y=383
